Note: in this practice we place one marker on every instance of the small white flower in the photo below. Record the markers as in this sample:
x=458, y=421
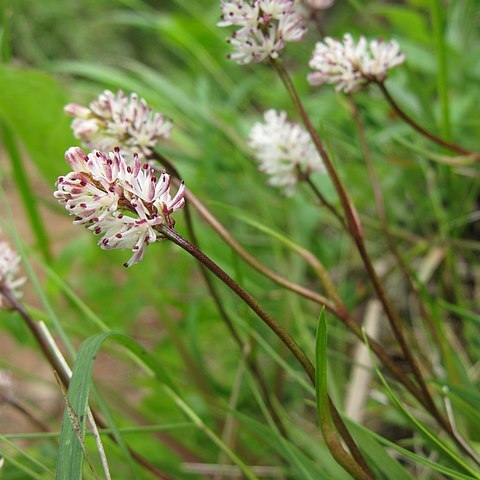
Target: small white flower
x=119, y=200
x=284, y=150
x=265, y=27
x=350, y=65
x=9, y=266
x=114, y=120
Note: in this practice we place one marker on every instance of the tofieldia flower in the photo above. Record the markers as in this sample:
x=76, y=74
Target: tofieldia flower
x=284, y=150
x=123, y=202
x=9, y=263
x=265, y=27
x=350, y=65
x=113, y=120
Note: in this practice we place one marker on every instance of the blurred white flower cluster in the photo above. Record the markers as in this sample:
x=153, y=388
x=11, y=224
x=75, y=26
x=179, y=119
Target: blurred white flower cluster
x=284, y=150
x=9, y=273
x=265, y=27
x=319, y=4
x=119, y=200
x=350, y=65
x=114, y=120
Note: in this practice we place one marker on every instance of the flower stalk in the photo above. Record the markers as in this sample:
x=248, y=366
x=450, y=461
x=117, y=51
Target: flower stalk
x=410, y=121
x=286, y=339
x=243, y=346
x=336, y=306
x=355, y=231
x=282, y=334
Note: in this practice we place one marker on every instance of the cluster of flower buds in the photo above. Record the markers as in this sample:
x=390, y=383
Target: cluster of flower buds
x=119, y=119
x=265, y=27
x=284, y=150
x=9, y=273
x=122, y=201
x=350, y=65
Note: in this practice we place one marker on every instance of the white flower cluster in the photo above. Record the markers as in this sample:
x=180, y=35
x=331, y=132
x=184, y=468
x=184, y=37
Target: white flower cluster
x=284, y=150
x=9, y=266
x=123, y=203
x=114, y=120
x=265, y=27
x=350, y=65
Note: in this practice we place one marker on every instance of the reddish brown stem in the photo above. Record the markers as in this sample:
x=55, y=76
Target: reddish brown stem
x=281, y=333
x=356, y=232
x=410, y=121
x=250, y=360
x=337, y=309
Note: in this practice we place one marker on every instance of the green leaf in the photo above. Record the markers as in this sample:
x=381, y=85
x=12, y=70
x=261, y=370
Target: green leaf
x=33, y=109
x=70, y=455
x=323, y=408
x=410, y=455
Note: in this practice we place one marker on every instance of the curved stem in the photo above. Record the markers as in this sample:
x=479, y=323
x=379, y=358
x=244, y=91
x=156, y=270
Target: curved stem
x=354, y=227
x=337, y=309
x=353, y=222
x=287, y=340
x=225, y=235
x=380, y=207
x=282, y=334
x=250, y=360
x=325, y=202
x=410, y=121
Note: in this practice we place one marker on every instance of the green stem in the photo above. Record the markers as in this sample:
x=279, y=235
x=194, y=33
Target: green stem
x=325, y=202
x=442, y=75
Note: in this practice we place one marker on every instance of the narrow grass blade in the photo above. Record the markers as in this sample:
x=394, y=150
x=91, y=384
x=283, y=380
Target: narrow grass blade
x=26, y=193
x=425, y=432
x=70, y=457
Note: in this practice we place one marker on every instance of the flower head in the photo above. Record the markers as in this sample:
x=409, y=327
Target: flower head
x=350, y=65
x=265, y=27
x=284, y=150
x=119, y=119
x=9, y=263
x=122, y=201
